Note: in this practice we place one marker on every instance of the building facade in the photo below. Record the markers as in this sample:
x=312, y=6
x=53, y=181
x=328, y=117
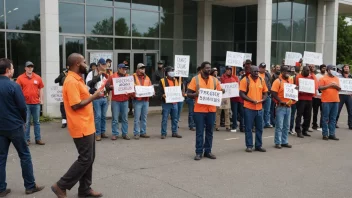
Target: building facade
x=47, y=31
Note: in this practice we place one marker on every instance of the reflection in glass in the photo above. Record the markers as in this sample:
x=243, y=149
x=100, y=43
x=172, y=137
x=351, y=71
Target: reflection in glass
x=240, y=47
x=122, y=43
x=310, y=47
x=189, y=7
x=222, y=19
x=99, y=2
x=122, y=22
x=274, y=10
x=99, y=43
x=282, y=48
x=74, y=45
x=167, y=25
x=252, y=48
x=284, y=9
x=274, y=30
x=75, y=1
x=152, y=5
x=2, y=17
x=218, y=51
x=122, y=3
x=240, y=14
x=298, y=47
x=190, y=26
x=167, y=54
x=145, y=44
x=284, y=30
x=100, y=21
x=167, y=6
x=299, y=30
x=145, y=24
x=312, y=8
x=190, y=48
x=23, y=15
x=2, y=44
x=23, y=47
x=252, y=31
x=299, y=9
x=311, y=29
x=71, y=18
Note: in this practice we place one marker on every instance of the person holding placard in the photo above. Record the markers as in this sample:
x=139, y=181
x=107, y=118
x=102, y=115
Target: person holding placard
x=204, y=115
x=283, y=108
x=119, y=105
x=317, y=100
x=267, y=103
x=329, y=85
x=294, y=72
x=168, y=108
x=141, y=104
x=253, y=90
x=345, y=97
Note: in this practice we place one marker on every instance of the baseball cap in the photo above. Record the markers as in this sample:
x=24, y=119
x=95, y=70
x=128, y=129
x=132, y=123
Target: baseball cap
x=330, y=67
x=121, y=65
x=108, y=60
x=29, y=63
x=262, y=65
x=160, y=62
x=248, y=61
x=140, y=65
x=102, y=61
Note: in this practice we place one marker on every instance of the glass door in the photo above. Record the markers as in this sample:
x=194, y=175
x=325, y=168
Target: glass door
x=72, y=45
x=122, y=57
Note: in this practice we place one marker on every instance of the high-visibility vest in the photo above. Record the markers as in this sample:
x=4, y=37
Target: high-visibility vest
x=165, y=82
x=137, y=82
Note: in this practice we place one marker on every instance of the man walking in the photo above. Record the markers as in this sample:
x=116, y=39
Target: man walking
x=253, y=90
x=61, y=79
x=80, y=118
x=329, y=85
x=317, y=100
x=32, y=88
x=12, y=118
x=345, y=97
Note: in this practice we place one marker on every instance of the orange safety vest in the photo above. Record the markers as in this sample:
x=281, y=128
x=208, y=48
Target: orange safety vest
x=163, y=82
x=137, y=82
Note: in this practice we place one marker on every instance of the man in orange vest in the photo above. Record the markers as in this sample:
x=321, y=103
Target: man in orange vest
x=141, y=104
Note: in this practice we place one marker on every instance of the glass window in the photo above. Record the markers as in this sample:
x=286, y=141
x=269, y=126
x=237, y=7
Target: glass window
x=167, y=54
x=122, y=3
x=284, y=9
x=240, y=47
x=240, y=14
x=71, y=18
x=284, y=30
x=2, y=22
x=145, y=24
x=99, y=43
x=152, y=5
x=312, y=8
x=2, y=44
x=189, y=7
x=167, y=6
x=190, y=48
x=299, y=9
x=311, y=29
x=282, y=48
x=240, y=33
x=23, y=47
x=273, y=53
x=274, y=30
x=252, y=31
x=74, y=45
x=23, y=15
x=252, y=13
x=75, y=1
x=298, y=47
x=122, y=22
x=99, y=20
x=218, y=51
x=167, y=24
x=222, y=19
x=61, y=49
x=190, y=27
x=122, y=43
x=310, y=47
x=252, y=48
x=99, y=2
x=274, y=10
x=299, y=30
x=145, y=44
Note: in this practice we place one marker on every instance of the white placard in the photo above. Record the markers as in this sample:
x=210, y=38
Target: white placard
x=173, y=94
x=306, y=85
x=55, y=94
x=234, y=59
x=290, y=91
x=181, y=65
x=144, y=91
x=209, y=97
x=312, y=58
x=247, y=56
x=231, y=90
x=95, y=56
x=123, y=85
x=346, y=84
x=291, y=58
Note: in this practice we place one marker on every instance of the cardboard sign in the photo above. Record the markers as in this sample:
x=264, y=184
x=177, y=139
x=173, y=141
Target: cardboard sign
x=144, y=91
x=247, y=56
x=313, y=58
x=123, y=85
x=209, y=97
x=306, y=85
x=234, y=59
x=225, y=103
x=55, y=94
x=173, y=94
x=181, y=65
x=291, y=58
x=231, y=90
x=290, y=91
x=95, y=56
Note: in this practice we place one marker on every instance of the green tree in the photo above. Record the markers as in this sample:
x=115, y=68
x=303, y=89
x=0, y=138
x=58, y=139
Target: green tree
x=344, y=42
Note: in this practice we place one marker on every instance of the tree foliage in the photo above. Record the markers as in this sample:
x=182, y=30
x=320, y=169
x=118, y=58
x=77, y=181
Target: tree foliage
x=344, y=42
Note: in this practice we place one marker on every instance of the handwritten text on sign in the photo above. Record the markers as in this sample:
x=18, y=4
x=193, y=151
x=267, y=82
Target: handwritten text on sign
x=306, y=85
x=95, y=56
x=247, y=56
x=292, y=58
x=290, y=91
x=144, y=91
x=123, y=85
x=234, y=59
x=231, y=90
x=181, y=66
x=313, y=58
x=209, y=97
x=346, y=84
x=55, y=93
x=173, y=94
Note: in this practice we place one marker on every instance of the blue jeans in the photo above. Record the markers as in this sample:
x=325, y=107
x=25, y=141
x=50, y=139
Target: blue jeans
x=283, y=115
x=179, y=110
x=190, y=103
x=34, y=111
x=140, y=116
x=168, y=108
x=266, y=107
x=237, y=109
x=18, y=140
x=293, y=113
x=204, y=122
x=100, y=107
x=272, y=112
x=119, y=109
x=253, y=117
x=329, y=114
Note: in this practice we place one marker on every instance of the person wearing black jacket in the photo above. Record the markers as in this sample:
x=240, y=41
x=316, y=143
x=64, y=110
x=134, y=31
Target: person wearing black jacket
x=61, y=79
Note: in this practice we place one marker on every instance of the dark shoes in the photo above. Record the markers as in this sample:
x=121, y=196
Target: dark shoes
x=286, y=145
x=5, y=192
x=63, y=126
x=268, y=126
x=248, y=150
x=126, y=137
x=306, y=134
x=337, y=126
x=163, y=137
x=242, y=130
x=91, y=193
x=300, y=135
x=144, y=136
x=136, y=137
x=278, y=146
x=39, y=142
x=176, y=135
x=315, y=127
x=325, y=138
x=58, y=191
x=192, y=129
x=332, y=137
x=209, y=155
x=35, y=189
x=198, y=157
x=260, y=149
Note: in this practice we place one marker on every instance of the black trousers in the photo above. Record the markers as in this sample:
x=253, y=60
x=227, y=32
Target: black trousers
x=62, y=110
x=304, y=109
x=81, y=170
x=316, y=106
x=346, y=99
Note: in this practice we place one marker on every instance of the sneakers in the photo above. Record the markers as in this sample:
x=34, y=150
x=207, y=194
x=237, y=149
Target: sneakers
x=39, y=142
x=209, y=155
x=278, y=146
x=5, y=192
x=98, y=138
x=325, y=138
x=268, y=126
x=333, y=137
x=292, y=132
x=144, y=136
x=260, y=149
x=286, y=145
x=217, y=129
x=249, y=150
x=35, y=189
x=126, y=137
x=176, y=135
x=233, y=130
x=136, y=137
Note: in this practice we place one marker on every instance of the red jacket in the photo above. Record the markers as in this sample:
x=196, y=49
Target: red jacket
x=230, y=79
x=303, y=95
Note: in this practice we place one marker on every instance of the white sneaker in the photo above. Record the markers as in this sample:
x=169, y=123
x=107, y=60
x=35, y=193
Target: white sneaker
x=233, y=130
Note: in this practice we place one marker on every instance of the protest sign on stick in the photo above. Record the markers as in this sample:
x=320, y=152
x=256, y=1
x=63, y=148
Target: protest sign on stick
x=231, y=90
x=209, y=97
x=234, y=59
x=291, y=58
x=312, y=58
x=144, y=91
x=306, y=85
x=173, y=94
x=181, y=65
x=290, y=91
x=123, y=85
x=247, y=56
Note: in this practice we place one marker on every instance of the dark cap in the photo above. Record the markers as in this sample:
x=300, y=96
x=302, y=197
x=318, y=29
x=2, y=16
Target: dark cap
x=262, y=65
x=121, y=65
x=248, y=61
x=168, y=69
x=29, y=63
x=108, y=60
x=92, y=64
x=160, y=62
x=102, y=61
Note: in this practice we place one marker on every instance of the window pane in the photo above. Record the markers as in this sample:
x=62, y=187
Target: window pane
x=252, y=31
x=299, y=30
x=189, y=7
x=74, y=45
x=190, y=27
x=274, y=30
x=252, y=48
x=190, y=48
x=61, y=49
x=274, y=10
x=239, y=47
x=145, y=24
x=222, y=19
x=312, y=8
x=99, y=2
x=167, y=6
x=299, y=9
x=284, y=9
x=298, y=47
x=21, y=48
x=311, y=30
x=23, y=15
x=123, y=3
x=240, y=14
x=167, y=54
x=75, y=1
x=310, y=47
x=282, y=48
x=252, y=13
x=240, y=33
x=284, y=30
x=167, y=24
x=99, y=43
x=2, y=44
x=101, y=23
x=145, y=44
x=218, y=51
x=273, y=53
x=2, y=22
x=122, y=43
x=71, y=18
x=152, y=5
x=122, y=22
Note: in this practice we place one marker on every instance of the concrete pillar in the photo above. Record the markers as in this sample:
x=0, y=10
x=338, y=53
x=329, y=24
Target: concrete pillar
x=178, y=28
x=204, y=32
x=50, y=57
x=331, y=23
x=320, y=34
x=264, y=31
